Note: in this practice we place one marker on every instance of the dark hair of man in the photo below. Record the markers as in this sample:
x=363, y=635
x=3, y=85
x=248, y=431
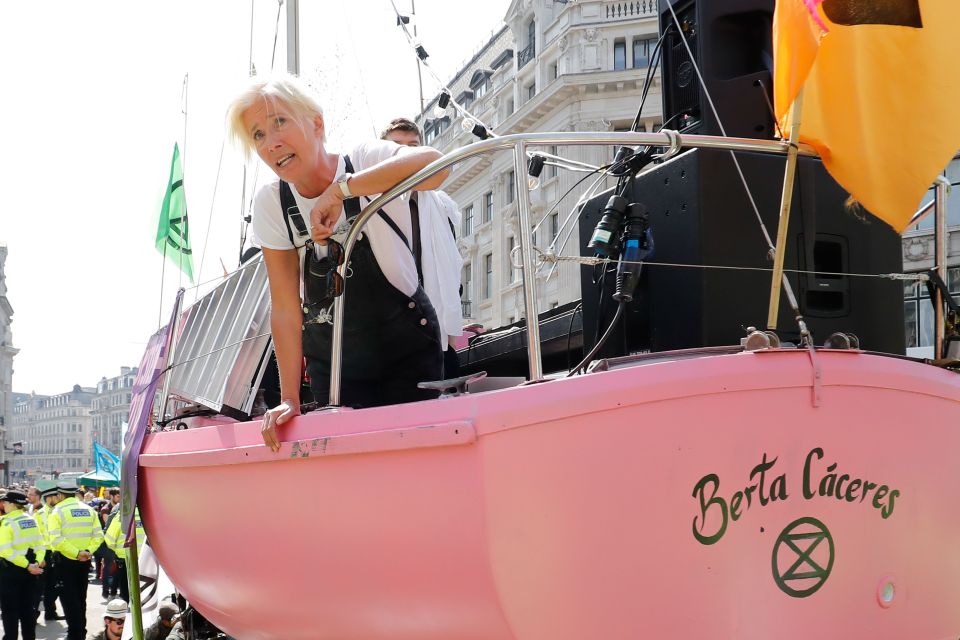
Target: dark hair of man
x=402, y=124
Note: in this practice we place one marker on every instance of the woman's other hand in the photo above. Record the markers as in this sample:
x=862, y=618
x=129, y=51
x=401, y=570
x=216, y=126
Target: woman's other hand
x=275, y=417
x=326, y=213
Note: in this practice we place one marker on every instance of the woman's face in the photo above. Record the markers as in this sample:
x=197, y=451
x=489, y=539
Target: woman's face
x=287, y=143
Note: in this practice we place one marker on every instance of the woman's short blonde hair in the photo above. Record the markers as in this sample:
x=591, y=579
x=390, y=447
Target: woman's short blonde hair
x=286, y=88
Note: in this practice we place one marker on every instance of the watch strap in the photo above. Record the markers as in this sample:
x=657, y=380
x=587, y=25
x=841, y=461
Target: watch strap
x=344, y=186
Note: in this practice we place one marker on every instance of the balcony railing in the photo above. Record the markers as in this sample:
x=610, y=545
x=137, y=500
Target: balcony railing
x=526, y=55
x=617, y=10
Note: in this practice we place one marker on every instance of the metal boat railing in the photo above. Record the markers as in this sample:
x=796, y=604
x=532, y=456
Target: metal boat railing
x=518, y=143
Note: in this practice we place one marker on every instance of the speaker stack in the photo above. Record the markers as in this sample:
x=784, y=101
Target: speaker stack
x=701, y=215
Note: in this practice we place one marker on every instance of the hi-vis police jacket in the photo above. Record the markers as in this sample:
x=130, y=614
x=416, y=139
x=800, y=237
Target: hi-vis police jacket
x=114, y=536
x=18, y=534
x=41, y=515
x=74, y=527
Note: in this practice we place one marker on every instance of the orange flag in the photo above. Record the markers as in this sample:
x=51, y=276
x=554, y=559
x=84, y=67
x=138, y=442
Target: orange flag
x=880, y=93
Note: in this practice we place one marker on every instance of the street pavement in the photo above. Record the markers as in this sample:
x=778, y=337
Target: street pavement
x=57, y=629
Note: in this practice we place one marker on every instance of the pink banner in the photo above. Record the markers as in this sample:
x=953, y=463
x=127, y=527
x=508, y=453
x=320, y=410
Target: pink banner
x=152, y=367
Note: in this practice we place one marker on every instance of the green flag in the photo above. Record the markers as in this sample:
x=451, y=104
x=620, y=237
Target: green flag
x=173, y=238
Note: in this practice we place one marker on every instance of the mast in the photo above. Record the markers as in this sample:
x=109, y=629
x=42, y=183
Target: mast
x=413, y=16
x=293, y=37
x=941, y=239
x=779, y=279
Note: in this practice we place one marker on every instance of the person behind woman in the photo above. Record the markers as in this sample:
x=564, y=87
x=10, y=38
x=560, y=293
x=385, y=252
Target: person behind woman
x=439, y=217
x=391, y=333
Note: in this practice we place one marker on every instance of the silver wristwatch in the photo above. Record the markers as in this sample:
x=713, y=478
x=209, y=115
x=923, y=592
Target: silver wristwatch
x=344, y=186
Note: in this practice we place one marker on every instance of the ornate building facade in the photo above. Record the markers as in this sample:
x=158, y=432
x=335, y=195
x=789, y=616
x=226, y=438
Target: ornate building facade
x=919, y=255
x=553, y=67
x=563, y=66
x=7, y=352
x=55, y=432
x=110, y=408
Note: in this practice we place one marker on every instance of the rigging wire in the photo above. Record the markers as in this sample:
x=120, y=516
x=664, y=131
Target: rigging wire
x=276, y=34
x=422, y=56
x=245, y=218
x=784, y=282
x=595, y=261
x=723, y=130
x=213, y=200
x=356, y=58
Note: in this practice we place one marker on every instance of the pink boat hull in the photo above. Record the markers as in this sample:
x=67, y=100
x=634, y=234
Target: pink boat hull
x=603, y=506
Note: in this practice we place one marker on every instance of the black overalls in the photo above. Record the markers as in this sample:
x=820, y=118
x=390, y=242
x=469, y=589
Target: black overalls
x=391, y=341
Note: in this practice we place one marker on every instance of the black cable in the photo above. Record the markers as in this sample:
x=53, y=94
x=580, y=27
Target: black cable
x=671, y=119
x=773, y=113
x=602, y=341
x=601, y=302
x=648, y=81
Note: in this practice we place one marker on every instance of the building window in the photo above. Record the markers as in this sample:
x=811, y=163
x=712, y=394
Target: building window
x=953, y=201
x=431, y=134
x=488, y=206
x=510, y=107
x=619, y=54
x=511, y=245
x=551, y=169
x=553, y=71
x=511, y=186
x=554, y=225
x=918, y=311
x=467, y=221
x=467, y=287
x=642, y=47
x=531, y=90
x=531, y=32
x=487, y=276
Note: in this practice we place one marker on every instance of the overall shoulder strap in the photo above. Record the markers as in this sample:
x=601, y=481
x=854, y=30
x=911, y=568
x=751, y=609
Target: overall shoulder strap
x=350, y=205
x=415, y=229
x=292, y=215
x=415, y=248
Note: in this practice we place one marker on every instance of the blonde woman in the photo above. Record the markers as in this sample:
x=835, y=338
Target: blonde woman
x=391, y=333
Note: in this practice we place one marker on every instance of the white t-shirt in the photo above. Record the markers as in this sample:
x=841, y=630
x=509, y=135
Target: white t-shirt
x=394, y=257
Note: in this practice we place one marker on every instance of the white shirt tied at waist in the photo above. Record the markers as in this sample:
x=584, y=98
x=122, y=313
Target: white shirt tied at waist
x=441, y=259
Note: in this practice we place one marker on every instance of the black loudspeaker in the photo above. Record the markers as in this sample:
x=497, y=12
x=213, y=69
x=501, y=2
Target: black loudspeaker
x=732, y=44
x=701, y=216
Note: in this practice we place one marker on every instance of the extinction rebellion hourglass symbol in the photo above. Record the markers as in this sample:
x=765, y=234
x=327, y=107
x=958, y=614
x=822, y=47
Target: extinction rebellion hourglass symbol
x=802, y=557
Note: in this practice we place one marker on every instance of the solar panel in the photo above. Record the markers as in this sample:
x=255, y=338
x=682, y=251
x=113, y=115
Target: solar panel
x=225, y=343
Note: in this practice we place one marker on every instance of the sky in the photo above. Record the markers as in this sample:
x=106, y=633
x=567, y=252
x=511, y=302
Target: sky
x=93, y=103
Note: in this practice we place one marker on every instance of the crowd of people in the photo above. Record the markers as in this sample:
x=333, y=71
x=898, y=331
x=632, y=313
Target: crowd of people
x=55, y=538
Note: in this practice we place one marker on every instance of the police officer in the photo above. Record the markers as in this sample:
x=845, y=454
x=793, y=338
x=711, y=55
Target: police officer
x=75, y=533
x=49, y=589
x=114, y=540
x=22, y=551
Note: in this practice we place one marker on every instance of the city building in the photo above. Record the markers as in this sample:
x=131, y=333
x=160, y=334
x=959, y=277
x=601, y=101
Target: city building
x=55, y=432
x=110, y=409
x=919, y=255
x=552, y=67
x=561, y=66
x=7, y=352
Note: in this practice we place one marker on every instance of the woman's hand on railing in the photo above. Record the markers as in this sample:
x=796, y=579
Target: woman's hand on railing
x=275, y=417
